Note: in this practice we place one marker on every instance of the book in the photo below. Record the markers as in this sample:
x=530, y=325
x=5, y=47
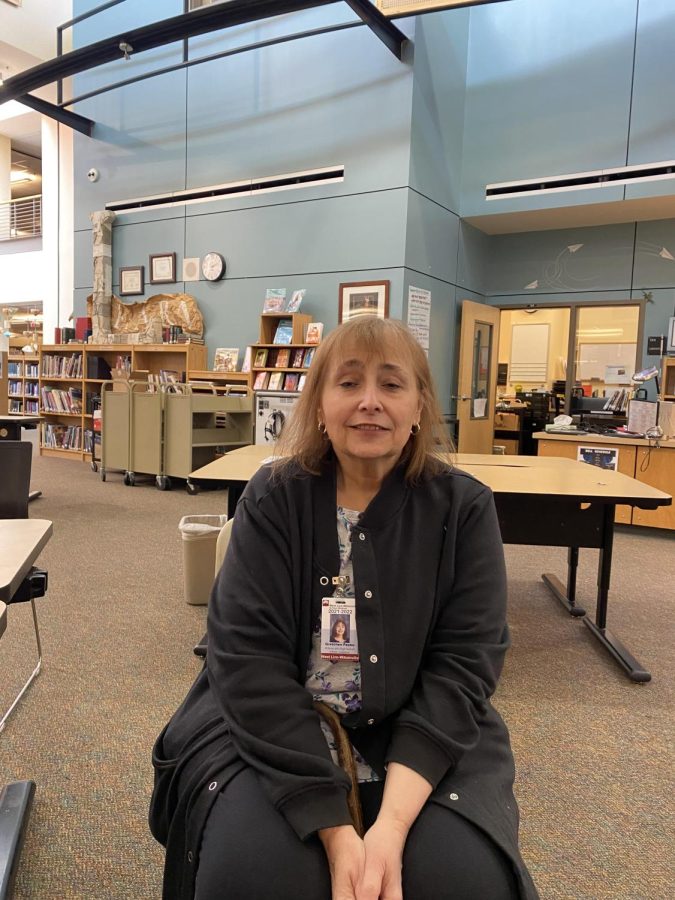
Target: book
x=298, y=356
x=291, y=381
x=260, y=358
x=296, y=300
x=284, y=332
x=314, y=333
x=275, y=300
x=309, y=356
x=283, y=358
x=276, y=380
x=246, y=365
x=301, y=381
x=226, y=359
x=261, y=380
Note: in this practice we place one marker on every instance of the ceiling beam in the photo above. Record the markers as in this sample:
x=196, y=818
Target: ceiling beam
x=65, y=116
x=165, y=31
x=380, y=25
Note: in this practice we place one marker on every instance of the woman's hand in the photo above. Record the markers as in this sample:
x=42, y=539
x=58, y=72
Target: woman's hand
x=346, y=857
x=384, y=843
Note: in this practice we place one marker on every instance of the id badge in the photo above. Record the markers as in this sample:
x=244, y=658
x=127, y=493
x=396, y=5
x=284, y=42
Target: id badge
x=339, y=640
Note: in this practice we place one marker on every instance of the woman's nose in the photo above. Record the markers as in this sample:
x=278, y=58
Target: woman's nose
x=370, y=397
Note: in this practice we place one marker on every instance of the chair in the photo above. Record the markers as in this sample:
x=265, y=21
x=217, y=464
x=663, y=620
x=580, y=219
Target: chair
x=15, y=465
x=15, y=468
x=221, y=548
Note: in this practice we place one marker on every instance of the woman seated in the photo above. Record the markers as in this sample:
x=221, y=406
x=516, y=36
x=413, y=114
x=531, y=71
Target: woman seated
x=363, y=520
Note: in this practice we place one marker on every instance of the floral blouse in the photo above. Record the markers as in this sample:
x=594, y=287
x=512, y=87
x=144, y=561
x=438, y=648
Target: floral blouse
x=338, y=684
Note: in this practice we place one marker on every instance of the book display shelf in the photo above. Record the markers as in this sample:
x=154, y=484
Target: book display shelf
x=23, y=389
x=668, y=378
x=71, y=378
x=281, y=357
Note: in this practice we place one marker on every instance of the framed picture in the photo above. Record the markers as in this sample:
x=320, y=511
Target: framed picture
x=162, y=268
x=363, y=298
x=132, y=280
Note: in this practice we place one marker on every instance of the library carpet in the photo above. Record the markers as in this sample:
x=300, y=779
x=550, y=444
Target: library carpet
x=592, y=748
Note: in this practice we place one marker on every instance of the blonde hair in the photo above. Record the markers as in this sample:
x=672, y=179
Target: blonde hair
x=426, y=452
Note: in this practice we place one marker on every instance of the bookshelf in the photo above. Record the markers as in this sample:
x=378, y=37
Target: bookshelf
x=71, y=378
x=279, y=366
x=23, y=390
x=668, y=378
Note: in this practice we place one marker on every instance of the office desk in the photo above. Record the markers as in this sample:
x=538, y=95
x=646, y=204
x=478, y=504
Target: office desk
x=21, y=541
x=540, y=501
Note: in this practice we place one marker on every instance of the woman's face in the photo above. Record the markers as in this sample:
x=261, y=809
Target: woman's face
x=369, y=404
x=340, y=629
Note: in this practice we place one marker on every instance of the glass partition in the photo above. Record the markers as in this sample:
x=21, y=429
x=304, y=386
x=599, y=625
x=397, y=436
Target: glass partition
x=605, y=350
x=480, y=369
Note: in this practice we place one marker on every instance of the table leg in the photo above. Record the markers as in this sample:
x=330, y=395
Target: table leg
x=567, y=596
x=234, y=491
x=635, y=670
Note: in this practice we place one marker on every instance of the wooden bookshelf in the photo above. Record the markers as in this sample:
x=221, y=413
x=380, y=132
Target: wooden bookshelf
x=272, y=361
x=668, y=378
x=22, y=379
x=69, y=373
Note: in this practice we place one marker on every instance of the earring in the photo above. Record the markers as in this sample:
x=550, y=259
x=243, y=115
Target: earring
x=415, y=429
x=321, y=427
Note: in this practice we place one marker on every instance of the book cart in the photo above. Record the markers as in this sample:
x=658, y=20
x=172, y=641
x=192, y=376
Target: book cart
x=116, y=414
x=170, y=432
x=196, y=424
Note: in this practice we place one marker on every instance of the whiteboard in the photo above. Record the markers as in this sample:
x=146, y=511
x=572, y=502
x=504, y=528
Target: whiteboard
x=529, y=352
x=593, y=359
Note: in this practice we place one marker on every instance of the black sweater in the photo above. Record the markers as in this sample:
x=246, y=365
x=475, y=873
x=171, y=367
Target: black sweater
x=430, y=605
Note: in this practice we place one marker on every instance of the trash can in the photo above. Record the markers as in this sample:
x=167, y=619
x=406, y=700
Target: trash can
x=199, y=534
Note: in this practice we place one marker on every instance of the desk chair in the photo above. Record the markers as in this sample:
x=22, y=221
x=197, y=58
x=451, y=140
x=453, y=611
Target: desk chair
x=15, y=467
x=221, y=548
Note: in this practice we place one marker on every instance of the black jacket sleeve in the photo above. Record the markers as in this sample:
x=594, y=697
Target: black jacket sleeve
x=252, y=642
x=466, y=649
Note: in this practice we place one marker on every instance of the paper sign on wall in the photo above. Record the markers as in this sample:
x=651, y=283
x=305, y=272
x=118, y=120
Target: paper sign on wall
x=419, y=314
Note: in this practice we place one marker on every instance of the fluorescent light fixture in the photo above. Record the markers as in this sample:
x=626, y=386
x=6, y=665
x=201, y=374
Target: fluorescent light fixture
x=18, y=177
x=234, y=189
x=12, y=109
x=580, y=181
x=599, y=332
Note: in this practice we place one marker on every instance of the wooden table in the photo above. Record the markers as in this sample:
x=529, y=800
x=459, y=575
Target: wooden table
x=21, y=541
x=540, y=501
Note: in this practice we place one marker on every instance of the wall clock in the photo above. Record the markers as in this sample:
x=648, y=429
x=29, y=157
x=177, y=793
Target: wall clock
x=213, y=266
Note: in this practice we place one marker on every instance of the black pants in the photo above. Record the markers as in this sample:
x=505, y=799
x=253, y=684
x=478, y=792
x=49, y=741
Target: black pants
x=250, y=852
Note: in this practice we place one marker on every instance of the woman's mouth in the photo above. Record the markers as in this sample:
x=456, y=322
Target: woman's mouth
x=366, y=427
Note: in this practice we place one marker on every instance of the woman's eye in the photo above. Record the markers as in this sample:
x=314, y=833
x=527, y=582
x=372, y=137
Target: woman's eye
x=393, y=385
x=346, y=383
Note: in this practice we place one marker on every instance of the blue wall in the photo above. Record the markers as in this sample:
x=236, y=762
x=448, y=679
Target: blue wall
x=498, y=92
x=338, y=98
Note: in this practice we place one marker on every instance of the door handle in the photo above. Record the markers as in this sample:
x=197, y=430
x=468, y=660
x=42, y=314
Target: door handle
x=459, y=398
